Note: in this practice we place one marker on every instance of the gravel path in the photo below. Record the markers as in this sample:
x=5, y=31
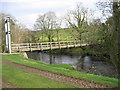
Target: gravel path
x=58, y=77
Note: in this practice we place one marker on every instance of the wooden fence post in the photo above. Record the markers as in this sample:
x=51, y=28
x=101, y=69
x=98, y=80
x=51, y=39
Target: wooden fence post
x=75, y=44
x=38, y=46
x=67, y=44
x=41, y=46
x=59, y=45
x=30, y=47
x=50, y=46
x=80, y=43
x=19, y=48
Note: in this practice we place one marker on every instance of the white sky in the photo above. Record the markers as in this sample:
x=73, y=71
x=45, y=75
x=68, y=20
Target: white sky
x=27, y=11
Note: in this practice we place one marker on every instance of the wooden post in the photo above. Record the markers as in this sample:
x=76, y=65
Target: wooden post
x=27, y=46
x=67, y=44
x=47, y=45
x=18, y=48
x=59, y=45
x=41, y=46
x=80, y=43
x=30, y=46
x=38, y=45
x=75, y=44
x=50, y=46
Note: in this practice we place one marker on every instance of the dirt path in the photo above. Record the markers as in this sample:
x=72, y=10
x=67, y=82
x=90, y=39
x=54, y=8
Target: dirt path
x=6, y=84
x=58, y=77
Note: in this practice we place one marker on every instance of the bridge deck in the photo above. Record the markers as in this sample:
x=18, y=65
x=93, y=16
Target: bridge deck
x=45, y=46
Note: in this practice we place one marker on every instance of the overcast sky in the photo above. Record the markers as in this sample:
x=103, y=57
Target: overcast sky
x=27, y=11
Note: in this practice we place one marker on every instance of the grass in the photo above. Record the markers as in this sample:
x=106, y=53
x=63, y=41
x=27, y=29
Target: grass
x=24, y=79
x=62, y=35
x=62, y=69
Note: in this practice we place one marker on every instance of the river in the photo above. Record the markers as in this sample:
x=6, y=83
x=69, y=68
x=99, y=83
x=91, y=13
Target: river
x=83, y=64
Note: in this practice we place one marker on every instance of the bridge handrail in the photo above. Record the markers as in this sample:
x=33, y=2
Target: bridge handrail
x=44, y=42
x=45, y=45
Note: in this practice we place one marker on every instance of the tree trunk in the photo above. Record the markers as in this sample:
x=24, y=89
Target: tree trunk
x=115, y=42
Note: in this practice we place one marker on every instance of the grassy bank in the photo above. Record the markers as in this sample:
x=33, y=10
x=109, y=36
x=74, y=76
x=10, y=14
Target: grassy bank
x=23, y=79
x=62, y=69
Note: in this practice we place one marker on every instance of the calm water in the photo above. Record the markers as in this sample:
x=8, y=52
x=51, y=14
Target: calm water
x=84, y=64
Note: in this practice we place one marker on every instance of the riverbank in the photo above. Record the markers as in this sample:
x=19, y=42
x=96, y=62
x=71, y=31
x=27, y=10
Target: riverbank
x=62, y=69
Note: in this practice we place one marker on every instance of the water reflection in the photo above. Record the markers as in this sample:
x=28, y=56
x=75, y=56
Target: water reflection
x=82, y=63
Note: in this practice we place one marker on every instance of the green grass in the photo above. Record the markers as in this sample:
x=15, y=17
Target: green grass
x=24, y=79
x=62, y=69
x=62, y=35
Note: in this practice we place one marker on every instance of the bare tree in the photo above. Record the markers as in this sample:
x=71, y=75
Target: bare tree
x=19, y=33
x=106, y=8
x=47, y=22
x=57, y=28
x=77, y=19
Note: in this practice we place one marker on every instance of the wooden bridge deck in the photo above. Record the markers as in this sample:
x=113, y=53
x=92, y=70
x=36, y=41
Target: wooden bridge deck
x=45, y=46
